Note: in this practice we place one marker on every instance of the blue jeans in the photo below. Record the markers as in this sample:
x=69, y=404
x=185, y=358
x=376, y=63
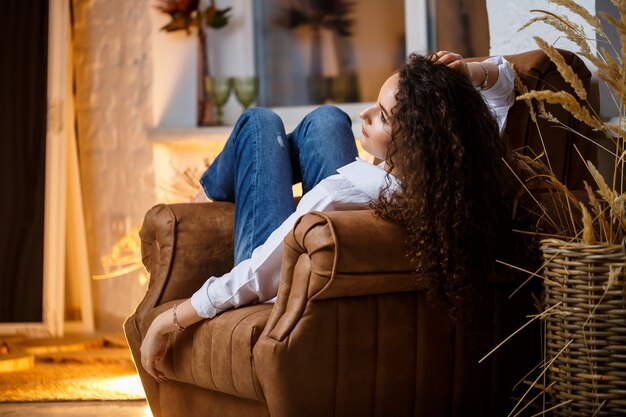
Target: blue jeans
x=260, y=163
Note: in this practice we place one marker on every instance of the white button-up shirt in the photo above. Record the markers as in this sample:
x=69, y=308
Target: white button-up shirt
x=354, y=186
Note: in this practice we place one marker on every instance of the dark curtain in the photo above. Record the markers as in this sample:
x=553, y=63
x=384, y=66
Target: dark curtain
x=23, y=74
x=462, y=27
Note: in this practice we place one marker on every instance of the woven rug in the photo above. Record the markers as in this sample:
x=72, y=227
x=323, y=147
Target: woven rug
x=105, y=374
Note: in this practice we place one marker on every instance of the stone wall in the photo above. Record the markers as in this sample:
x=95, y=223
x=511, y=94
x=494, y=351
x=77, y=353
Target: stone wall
x=113, y=78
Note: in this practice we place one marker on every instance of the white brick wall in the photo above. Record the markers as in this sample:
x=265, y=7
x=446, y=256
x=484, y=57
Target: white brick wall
x=113, y=57
x=507, y=16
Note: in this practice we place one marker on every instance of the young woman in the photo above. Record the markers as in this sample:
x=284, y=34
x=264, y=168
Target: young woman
x=443, y=178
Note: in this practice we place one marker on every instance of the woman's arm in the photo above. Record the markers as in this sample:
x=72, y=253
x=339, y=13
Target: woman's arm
x=252, y=280
x=494, y=74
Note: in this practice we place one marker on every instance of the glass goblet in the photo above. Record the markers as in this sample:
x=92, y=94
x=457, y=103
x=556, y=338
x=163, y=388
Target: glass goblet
x=246, y=89
x=218, y=89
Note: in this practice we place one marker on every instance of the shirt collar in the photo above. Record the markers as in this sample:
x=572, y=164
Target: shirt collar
x=367, y=177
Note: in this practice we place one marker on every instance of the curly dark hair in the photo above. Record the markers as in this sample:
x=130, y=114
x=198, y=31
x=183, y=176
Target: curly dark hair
x=454, y=191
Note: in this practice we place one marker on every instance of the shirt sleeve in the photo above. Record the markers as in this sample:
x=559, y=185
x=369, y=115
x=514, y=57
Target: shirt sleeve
x=500, y=96
x=256, y=279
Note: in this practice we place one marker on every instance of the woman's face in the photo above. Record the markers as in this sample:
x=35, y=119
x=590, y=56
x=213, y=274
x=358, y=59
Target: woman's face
x=376, y=120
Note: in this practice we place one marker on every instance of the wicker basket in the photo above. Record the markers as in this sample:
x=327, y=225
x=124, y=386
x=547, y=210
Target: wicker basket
x=586, y=332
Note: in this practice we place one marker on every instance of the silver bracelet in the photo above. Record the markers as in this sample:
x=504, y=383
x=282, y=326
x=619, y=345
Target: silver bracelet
x=483, y=86
x=175, y=319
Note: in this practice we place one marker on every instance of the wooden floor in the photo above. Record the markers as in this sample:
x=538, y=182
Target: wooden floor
x=77, y=409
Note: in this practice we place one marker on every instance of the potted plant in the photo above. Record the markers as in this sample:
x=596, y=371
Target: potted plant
x=188, y=15
x=584, y=269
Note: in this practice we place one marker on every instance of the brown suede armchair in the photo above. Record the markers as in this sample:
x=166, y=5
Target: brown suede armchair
x=352, y=332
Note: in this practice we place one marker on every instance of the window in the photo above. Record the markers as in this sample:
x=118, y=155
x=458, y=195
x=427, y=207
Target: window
x=324, y=51
x=237, y=50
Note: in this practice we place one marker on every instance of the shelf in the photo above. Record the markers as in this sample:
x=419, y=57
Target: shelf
x=173, y=136
x=201, y=135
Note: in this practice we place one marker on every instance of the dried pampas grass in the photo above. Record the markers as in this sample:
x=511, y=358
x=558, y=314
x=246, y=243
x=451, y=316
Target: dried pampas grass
x=589, y=237
x=608, y=222
x=569, y=103
x=580, y=11
x=572, y=31
x=566, y=71
x=584, y=261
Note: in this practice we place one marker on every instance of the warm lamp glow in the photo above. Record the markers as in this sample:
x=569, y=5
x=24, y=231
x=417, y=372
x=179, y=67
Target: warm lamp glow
x=143, y=278
x=124, y=258
x=130, y=385
x=147, y=412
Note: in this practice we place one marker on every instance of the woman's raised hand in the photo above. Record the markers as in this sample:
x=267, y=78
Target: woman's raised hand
x=452, y=60
x=482, y=74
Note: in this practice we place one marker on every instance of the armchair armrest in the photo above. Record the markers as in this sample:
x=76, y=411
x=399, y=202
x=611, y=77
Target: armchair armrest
x=339, y=254
x=182, y=245
x=343, y=334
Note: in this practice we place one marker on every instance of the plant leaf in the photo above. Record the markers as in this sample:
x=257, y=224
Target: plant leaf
x=217, y=18
x=179, y=21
